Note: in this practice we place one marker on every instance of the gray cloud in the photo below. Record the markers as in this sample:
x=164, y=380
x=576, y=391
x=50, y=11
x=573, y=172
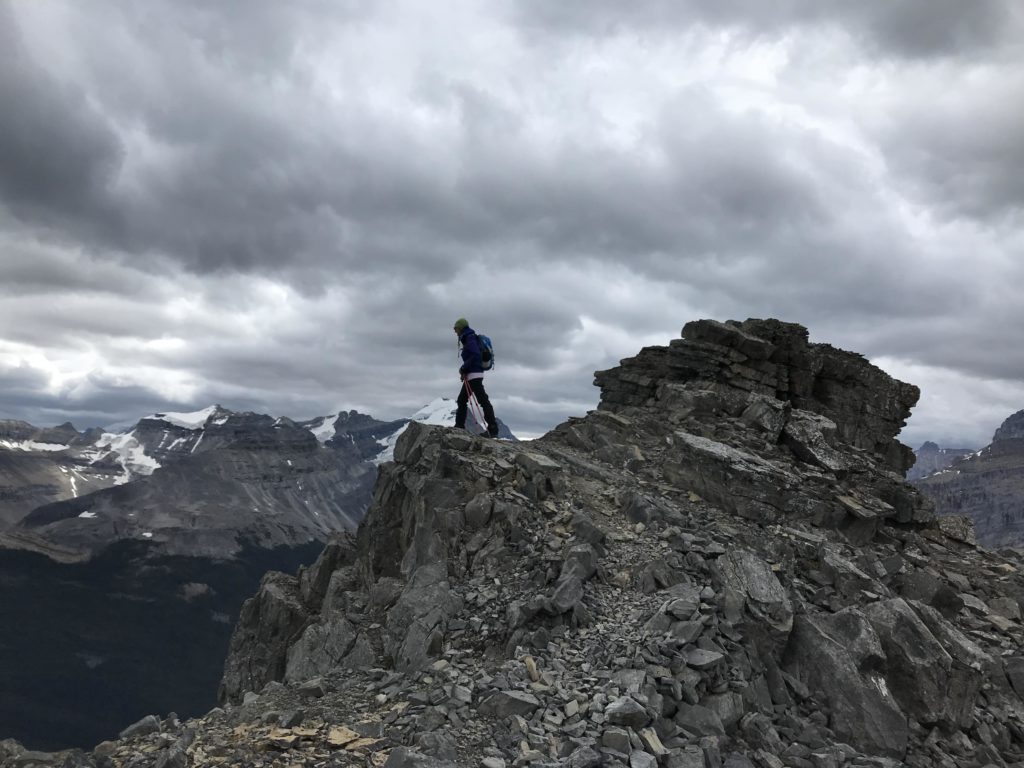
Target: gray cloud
x=284, y=208
x=958, y=146
x=57, y=153
x=911, y=28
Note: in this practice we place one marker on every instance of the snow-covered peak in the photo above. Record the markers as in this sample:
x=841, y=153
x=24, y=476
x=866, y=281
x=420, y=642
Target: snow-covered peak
x=192, y=421
x=440, y=412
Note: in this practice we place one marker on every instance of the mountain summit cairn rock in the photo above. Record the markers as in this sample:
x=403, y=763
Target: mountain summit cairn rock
x=720, y=566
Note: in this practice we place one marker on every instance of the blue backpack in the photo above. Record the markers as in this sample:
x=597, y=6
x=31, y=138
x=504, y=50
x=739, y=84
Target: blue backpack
x=486, y=351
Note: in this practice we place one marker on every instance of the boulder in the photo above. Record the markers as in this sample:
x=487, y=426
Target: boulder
x=626, y=711
x=504, y=704
x=810, y=436
x=840, y=658
x=699, y=720
x=917, y=667
x=144, y=727
x=753, y=595
x=969, y=669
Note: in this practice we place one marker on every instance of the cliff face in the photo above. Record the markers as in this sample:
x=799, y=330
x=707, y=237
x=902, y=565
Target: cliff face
x=1011, y=429
x=719, y=566
x=987, y=486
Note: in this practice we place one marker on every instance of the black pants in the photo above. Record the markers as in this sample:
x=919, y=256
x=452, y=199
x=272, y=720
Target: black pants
x=462, y=403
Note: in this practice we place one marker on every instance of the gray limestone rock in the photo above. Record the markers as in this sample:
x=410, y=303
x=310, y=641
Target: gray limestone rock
x=568, y=593
x=735, y=479
x=416, y=622
x=687, y=757
x=581, y=562
x=917, y=667
x=144, y=727
x=699, y=720
x=640, y=759
x=767, y=415
x=314, y=581
x=959, y=527
x=616, y=739
x=259, y=645
x=504, y=704
x=626, y=711
x=478, y=511
x=753, y=594
x=969, y=668
x=323, y=647
x=840, y=658
x=584, y=757
x=811, y=436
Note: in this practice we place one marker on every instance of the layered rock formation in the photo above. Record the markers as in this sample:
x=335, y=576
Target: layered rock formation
x=986, y=486
x=718, y=567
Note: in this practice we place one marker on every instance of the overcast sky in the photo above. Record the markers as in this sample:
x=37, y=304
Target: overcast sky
x=284, y=206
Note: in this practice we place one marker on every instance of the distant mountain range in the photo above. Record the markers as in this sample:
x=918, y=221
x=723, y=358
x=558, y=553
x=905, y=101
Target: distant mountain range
x=931, y=459
x=986, y=485
x=225, y=479
x=125, y=555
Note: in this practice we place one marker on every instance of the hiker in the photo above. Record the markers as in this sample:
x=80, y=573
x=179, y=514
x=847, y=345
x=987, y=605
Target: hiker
x=472, y=374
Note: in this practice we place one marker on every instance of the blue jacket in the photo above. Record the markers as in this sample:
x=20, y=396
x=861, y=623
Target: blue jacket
x=472, y=360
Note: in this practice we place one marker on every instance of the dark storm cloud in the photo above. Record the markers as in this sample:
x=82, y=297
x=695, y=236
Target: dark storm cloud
x=25, y=395
x=57, y=153
x=911, y=28
x=959, y=149
x=22, y=387
x=284, y=206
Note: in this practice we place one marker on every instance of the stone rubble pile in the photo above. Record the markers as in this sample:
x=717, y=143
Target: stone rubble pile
x=719, y=568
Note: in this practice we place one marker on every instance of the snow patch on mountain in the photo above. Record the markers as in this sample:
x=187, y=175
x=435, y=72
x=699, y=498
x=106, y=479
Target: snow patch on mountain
x=325, y=430
x=130, y=455
x=192, y=421
x=32, y=445
x=440, y=411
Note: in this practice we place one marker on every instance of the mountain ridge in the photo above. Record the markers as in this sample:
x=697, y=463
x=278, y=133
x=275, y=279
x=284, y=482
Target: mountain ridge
x=720, y=566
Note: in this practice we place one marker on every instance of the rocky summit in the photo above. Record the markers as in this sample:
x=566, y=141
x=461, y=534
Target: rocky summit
x=720, y=567
x=987, y=486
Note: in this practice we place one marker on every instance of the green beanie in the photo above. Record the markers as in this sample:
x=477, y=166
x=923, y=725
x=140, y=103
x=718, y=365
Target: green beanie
x=461, y=324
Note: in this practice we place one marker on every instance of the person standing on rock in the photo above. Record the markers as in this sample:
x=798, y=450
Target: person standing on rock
x=472, y=374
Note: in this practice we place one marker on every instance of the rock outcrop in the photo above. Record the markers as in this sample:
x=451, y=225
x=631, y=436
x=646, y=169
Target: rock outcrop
x=721, y=566
x=986, y=486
